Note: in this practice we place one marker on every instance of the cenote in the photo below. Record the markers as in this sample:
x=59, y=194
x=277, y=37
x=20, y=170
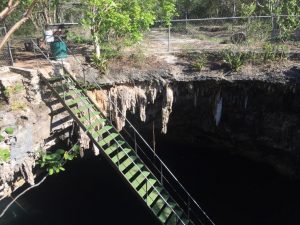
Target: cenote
x=234, y=190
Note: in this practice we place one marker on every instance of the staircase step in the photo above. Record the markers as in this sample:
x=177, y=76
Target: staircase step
x=76, y=101
x=174, y=218
x=165, y=213
x=127, y=163
x=147, y=188
x=158, y=206
x=140, y=179
x=62, y=88
x=108, y=139
x=84, y=108
x=70, y=93
x=55, y=79
x=184, y=221
x=134, y=171
x=152, y=197
x=114, y=147
x=119, y=157
x=103, y=130
x=95, y=121
x=87, y=111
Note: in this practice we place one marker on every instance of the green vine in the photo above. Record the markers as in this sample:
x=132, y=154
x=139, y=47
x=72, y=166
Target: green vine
x=54, y=162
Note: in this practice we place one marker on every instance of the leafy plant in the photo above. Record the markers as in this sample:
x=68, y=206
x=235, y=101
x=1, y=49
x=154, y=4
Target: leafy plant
x=4, y=155
x=234, y=59
x=54, y=162
x=1, y=138
x=77, y=39
x=126, y=19
x=100, y=62
x=9, y=130
x=200, y=62
x=288, y=24
x=12, y=90
x=248, y=10
x=272, y=52
x=269, y=53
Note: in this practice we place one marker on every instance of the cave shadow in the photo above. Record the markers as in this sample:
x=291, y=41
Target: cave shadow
x=60, y=128
x=293, y=74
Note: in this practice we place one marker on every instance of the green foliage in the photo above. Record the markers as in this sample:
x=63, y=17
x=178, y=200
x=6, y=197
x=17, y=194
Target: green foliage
x=139, y=56
x=111, y=20
x=77, y=39
x=272, y=52
x=1, y=138
x=4, y=155
x=200, y=62
x=234, y=59
x=12, y=90
x=100, y=62
x=9, y=130
x=248, y=9
x=54, y=162
x=258, y=31
x=286, y=25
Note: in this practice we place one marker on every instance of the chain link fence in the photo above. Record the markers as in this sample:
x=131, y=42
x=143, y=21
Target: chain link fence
x=6, y=57
x=210, y=34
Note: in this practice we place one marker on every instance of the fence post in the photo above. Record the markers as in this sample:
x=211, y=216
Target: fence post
x=273, y=27
x=9, y=50
x=169, y=38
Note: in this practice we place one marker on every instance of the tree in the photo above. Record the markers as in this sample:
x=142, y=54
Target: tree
x=28, y=5
x=9, y=7
x=123, y=19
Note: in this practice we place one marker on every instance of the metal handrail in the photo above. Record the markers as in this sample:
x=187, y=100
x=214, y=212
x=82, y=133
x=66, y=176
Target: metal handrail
x=190, y=198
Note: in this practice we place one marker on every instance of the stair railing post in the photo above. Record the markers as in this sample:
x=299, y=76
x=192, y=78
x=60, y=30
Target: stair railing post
x=189, y=207
x=161, y=174
x=135, y=143
x=146, y=192
x=118, y=160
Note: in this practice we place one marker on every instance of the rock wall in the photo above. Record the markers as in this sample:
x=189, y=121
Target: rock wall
x=38, y=122
x=260, y=118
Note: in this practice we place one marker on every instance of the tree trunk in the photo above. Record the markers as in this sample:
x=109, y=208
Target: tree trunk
x=234, y=9
x=11, y=6
x=97, y=47
x=25, y=17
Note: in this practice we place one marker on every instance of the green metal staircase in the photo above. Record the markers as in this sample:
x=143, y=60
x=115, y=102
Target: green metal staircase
x=123, y=157
x=152, y=181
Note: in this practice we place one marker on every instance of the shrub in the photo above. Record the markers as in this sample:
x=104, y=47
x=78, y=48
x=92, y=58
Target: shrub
x=235, y=60
x=272, y=52
x=200, y=62
x=53, y=162
x=101, y=63
x=77, y=39
x=12, y=90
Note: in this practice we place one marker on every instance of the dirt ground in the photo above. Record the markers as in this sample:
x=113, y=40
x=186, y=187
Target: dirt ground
x=152, y=53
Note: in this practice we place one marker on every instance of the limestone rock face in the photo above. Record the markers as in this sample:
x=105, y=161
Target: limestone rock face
x=116, y=101
x=23, y=108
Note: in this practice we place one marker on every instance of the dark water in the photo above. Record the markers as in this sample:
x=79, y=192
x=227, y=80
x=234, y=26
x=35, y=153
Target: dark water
x=232, y=189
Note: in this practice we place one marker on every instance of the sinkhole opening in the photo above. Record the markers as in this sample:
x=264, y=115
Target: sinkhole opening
x=232, y=189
